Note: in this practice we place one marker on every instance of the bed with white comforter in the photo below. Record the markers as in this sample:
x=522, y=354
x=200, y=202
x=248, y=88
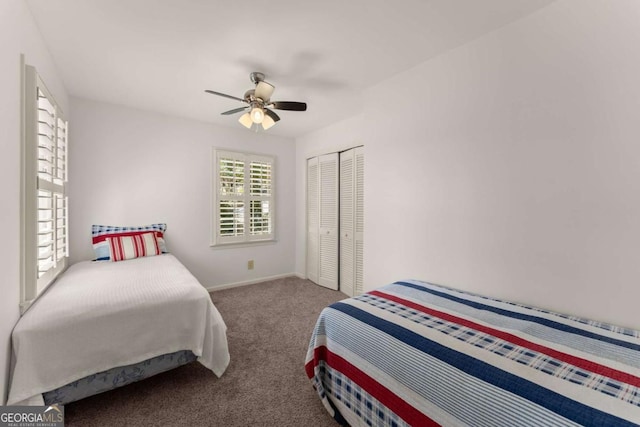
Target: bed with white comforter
x=101, y=315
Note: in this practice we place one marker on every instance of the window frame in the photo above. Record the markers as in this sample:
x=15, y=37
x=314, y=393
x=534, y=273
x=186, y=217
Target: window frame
x=33, y=280
x=246, y=238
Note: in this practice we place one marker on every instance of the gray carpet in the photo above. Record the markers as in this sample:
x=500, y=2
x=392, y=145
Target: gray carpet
x=268, y=327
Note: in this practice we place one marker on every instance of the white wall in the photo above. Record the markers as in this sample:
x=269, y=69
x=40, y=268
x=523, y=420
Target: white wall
x=337, y=137
x=18, y=34
x=511, y=166
x=132, y=167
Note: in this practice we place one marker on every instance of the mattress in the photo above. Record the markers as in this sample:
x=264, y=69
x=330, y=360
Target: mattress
x=414, y=353
x=100, y=315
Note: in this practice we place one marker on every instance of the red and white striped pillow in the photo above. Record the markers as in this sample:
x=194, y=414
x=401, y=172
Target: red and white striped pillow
x=128, y=247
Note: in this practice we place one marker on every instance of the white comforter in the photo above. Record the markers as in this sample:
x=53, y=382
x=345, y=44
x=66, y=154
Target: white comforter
x=99, y=315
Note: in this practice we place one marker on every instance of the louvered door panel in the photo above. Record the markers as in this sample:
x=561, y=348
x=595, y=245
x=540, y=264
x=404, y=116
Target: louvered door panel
x=313, y=223
x=359, y=218
x=347, y=253
x=328, y=232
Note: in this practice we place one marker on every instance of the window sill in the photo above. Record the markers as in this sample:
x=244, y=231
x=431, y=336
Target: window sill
x=217, y=246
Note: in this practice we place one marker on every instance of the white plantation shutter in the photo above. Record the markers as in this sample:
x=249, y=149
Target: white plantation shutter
x=328, y=230
x=45, y=213
x=231, y=191
x=313, y=215
x=260, y=198
x=62, y=227
x=347, y=226
x=46, y=137
x=61, y=151
x=243, y=197
x=46, y=232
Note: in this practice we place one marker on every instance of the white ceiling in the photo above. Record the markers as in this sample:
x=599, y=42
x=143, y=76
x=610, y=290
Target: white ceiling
x=161, y=55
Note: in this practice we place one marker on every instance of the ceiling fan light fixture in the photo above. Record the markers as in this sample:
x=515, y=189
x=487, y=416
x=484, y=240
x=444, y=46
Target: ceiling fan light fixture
x=264, y=90
x=257, y=115
x=258, y=107
x=245, y=120
x=267, y=122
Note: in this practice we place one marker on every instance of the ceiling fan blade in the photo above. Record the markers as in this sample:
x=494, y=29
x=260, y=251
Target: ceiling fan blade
x=289, y=105
x=235, y=110
x=225, y=95
x=264, y=90
x=271, y=114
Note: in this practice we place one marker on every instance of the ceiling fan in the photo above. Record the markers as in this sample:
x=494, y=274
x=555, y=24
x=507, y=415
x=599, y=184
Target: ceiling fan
x=258, y=110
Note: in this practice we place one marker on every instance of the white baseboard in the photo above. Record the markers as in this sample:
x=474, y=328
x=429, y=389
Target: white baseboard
x=250, y=282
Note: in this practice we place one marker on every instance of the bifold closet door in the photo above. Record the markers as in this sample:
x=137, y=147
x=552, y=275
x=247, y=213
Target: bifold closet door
x=313, y=218
x=351, y=220
x=359, y=220
x=322, y=220
x=328, y=234
x=347, y=222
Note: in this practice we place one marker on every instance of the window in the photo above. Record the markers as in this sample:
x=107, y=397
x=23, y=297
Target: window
x=243, y=197
x=44, y=229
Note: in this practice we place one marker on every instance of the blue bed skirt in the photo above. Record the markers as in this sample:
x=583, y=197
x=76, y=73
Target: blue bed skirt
x=117, y=377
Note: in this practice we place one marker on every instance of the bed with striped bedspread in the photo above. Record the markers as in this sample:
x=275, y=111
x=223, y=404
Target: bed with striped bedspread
x=413, y=353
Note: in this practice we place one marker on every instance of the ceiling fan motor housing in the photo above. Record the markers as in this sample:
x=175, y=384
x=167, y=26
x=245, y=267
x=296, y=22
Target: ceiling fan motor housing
x=250, y=95
x=256, y=77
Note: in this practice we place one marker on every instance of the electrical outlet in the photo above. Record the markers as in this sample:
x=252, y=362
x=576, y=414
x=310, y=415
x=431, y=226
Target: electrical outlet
x=250, y=264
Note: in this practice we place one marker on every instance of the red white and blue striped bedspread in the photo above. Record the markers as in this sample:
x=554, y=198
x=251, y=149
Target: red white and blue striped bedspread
x=412, y=353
